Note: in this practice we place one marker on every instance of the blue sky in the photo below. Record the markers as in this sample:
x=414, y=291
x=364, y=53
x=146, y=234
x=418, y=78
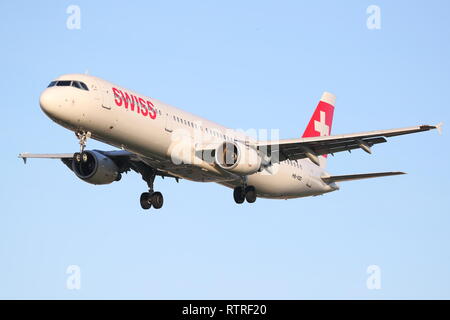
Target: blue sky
x=244, y=64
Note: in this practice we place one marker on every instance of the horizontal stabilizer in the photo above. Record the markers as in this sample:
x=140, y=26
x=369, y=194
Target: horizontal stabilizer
x=350, y=177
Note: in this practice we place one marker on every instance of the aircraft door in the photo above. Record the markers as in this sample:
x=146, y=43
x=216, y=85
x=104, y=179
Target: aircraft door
x=100, y=93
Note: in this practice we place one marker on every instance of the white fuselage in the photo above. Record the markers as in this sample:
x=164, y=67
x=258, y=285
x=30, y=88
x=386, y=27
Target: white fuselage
x=156, y=132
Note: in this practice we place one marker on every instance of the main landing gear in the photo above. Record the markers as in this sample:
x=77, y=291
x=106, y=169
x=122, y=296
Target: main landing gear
x=151, y=198
x=240, y=194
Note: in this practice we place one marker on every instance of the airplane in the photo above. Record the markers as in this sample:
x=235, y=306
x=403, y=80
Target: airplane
x=155, y=139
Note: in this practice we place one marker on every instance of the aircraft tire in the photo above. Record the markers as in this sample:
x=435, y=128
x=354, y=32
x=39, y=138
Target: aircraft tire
x=146, y=201
x=157, y=200
x=238, y=195
x=250, y=194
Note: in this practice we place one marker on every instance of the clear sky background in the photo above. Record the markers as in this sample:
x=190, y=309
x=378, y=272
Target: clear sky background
x=244, y=64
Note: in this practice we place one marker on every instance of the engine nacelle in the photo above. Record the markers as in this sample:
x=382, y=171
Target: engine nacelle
x=237, y=158
x=95, y=168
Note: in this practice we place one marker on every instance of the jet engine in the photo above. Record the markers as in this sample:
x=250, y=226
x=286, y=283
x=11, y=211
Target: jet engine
x=237, y=158
x=95, y=168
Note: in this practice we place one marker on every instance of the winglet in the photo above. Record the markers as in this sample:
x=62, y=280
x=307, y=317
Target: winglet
x=21, y=155
x=439, y=127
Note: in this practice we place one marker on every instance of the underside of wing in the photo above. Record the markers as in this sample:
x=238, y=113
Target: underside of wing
x=351, y=177
x=24, y=156
x=124, y=160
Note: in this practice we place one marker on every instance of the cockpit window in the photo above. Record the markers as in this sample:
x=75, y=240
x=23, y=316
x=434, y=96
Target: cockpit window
x=76, y=84
x=84, y=86
x=64, y=83
x=68, y=83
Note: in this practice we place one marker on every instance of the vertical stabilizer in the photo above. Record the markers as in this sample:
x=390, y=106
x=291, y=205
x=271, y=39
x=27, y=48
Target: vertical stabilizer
x=321, y=121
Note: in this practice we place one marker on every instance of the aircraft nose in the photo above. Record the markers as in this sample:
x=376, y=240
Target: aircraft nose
x=48, y=102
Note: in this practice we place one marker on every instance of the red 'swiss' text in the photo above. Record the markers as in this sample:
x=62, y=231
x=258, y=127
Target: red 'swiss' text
x=141, y=106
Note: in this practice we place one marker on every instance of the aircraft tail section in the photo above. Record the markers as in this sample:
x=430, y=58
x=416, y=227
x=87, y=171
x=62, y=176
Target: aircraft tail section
x=321, y=121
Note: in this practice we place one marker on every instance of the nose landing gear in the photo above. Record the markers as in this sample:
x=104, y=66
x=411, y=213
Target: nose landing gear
x=81, y=158
x=82, y=136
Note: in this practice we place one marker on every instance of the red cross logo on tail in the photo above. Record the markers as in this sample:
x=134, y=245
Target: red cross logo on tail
x=321, y=126
x=320, y=123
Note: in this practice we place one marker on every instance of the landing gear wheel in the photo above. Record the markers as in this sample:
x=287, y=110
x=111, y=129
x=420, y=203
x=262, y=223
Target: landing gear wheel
x=238, y=195
x=77, y=157
x=150, y=198
x=84, y=157
x=250, y=194
x=146, y=201
x=157, y=200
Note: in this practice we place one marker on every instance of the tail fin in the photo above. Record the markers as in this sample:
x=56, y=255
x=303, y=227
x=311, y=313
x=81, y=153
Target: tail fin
x=321, y=121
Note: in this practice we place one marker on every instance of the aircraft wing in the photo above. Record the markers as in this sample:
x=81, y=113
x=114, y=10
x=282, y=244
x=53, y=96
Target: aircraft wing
x=27, y=155
x=125, y=161
x=294, y=149
x=350, y=177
